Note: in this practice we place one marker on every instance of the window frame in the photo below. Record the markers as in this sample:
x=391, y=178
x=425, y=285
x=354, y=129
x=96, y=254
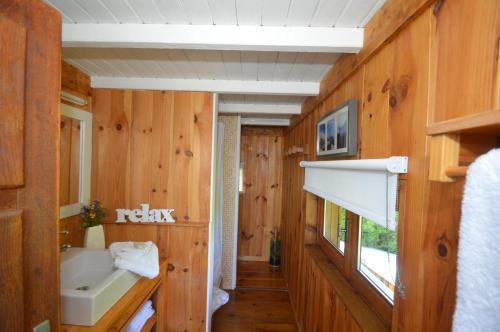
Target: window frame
x=347, y=263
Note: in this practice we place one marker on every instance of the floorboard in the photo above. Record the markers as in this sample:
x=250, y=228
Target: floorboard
x=255, y=311
x=259, y=275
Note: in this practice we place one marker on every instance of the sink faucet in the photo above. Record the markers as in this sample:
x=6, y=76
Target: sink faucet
x=64, y=247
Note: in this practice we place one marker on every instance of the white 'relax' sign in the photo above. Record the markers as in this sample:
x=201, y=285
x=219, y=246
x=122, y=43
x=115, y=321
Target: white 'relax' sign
x=144, y=214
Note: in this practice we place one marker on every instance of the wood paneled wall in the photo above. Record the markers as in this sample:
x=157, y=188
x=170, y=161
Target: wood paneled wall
x=30, y=57
x=260, y=203
x=412, y=80
x=155, y=147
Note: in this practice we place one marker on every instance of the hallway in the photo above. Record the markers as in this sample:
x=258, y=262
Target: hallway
x=259, y=303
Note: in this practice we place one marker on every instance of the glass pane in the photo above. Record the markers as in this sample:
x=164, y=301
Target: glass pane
x=377, y=256
x=69, y=188
x=335, y=225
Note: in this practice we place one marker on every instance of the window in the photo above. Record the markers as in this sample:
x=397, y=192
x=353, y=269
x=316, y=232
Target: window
x=363, y=250
x=241, y=182
x=335, y=225
x=377, y=256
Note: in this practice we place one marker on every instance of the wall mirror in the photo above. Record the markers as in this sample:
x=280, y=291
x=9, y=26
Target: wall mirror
x=75, y=160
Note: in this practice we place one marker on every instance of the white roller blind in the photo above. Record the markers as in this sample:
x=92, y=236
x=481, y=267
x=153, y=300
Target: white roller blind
x=367, y=187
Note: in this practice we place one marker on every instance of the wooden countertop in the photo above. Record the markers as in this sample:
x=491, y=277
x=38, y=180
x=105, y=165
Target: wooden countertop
x=122, y=312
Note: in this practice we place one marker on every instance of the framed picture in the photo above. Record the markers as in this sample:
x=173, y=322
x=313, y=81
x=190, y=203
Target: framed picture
x=337, y=132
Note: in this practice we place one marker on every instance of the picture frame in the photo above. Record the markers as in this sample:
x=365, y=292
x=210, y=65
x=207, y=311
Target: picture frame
x=337, y=132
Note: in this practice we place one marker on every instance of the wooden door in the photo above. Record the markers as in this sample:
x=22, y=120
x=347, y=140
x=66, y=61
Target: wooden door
x=260, y=203
x=29, y=119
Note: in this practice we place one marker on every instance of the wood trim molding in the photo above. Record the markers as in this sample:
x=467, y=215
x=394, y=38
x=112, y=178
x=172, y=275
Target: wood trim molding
x=381, y=29
x=360, y=311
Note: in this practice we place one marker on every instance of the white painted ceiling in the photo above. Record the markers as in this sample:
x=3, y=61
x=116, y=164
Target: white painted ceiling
x=215, y=65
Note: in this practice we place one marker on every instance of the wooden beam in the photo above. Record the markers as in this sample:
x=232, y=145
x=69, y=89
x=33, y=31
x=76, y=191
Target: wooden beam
x=264, y=122
x=214, y=37
x=220, y=86
x=259, y=108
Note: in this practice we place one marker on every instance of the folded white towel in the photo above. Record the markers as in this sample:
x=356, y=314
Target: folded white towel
x=141, y=318
x=137, y=257
x=478, y=277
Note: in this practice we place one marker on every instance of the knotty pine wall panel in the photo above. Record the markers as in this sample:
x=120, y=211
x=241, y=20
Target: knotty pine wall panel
x=260, y=203
x=155, y=147
x=414, y=79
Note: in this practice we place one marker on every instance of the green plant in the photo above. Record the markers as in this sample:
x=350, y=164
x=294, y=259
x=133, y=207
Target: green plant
x=92, y=214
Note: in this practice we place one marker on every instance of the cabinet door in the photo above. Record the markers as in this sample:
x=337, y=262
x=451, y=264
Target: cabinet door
x=12, y=74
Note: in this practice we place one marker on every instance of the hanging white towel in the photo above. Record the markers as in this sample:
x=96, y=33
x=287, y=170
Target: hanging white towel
x=137, y=257
x=141, y=318
x=478, y=278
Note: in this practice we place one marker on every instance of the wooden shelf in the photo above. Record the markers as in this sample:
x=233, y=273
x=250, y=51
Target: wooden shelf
x=445, y=142
x=149, y=324
x=480, y=123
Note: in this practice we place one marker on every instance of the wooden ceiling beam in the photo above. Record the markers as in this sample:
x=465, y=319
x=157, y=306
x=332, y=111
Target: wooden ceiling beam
x=214, y=37
x=207, y=85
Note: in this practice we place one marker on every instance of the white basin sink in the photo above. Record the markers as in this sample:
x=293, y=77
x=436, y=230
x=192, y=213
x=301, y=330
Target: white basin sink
x=90, y=285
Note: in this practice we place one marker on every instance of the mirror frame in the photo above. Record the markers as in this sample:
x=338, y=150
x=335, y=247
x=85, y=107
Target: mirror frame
x=85, y=159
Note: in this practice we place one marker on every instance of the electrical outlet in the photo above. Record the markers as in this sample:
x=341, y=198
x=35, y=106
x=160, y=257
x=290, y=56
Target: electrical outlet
x=42, y=327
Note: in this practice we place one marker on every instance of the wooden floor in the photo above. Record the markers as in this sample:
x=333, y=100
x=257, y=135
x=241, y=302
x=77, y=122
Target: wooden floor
x=259, y=275
x=260, y=302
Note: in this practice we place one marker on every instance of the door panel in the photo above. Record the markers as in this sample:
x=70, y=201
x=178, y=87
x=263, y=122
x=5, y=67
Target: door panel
x=12, y=69
x=11, y=271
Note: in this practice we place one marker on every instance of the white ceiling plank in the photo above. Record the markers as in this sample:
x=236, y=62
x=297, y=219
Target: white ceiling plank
x=214, y=37
x=301, y=66
x=249, y=12
x=97, y=11
x=73, y=11
x=246, y=121
x=372, y=12
x=301, y=13
x=221, y=86
x=198, y=12
x=250, y=65
x=173, y=12
x=213, y=60
x=319, y=66
x=232, y=64
x=122, y=11
x=275, y=12
x=267, y=64
x=197, y=60
x=355, y=12
x=328, y=13
x=291, y=109
x=223, y=11
x=178, y=57
x=284, y=66
x=147, y=10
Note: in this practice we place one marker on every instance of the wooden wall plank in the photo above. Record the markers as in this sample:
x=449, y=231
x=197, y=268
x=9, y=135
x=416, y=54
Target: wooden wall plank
x=155, y=147
x=74, y=80
x=414, y=78
x=12, y=67
x=473, y=31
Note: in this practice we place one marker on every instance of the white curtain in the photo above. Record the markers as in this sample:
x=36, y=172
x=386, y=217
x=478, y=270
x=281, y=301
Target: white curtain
x=219, y=297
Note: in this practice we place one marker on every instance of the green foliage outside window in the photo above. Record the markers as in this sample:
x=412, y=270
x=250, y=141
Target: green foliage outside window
x=378, y=237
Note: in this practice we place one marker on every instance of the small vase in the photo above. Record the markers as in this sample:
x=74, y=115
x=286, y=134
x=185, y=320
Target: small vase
x=94, y=237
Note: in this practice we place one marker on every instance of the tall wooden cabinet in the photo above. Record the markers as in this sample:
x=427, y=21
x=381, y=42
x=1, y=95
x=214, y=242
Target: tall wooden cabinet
x=30, y=60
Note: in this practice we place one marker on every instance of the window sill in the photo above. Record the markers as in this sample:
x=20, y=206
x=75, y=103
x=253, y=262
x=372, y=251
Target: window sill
x=364, y=316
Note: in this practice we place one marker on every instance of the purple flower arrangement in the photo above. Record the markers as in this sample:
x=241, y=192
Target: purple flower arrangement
x=92, y=214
